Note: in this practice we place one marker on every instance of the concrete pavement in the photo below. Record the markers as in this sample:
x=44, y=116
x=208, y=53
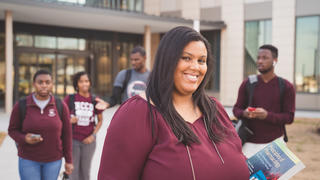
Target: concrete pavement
x=8, y=151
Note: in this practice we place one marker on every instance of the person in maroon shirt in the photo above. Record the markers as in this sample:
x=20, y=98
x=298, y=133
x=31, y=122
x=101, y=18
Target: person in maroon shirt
x=174, y=131
x=84, y=127
x=269, y=113
x=44, y=137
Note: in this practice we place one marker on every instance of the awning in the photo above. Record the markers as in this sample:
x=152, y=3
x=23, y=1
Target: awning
x=68, y=15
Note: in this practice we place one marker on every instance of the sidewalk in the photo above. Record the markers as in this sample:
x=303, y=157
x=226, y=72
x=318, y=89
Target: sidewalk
x=8, y=151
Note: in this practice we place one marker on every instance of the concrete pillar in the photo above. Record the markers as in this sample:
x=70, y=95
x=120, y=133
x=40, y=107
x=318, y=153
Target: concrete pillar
x=147, y=45
x=196, y=25
x=155, y=40
x=9, y=60
x=283, y=36
x=232, y=50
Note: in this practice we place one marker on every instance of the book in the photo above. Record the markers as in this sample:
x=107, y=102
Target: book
x=274, y=162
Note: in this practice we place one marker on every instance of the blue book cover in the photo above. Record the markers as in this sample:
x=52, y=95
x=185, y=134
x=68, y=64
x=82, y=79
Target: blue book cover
x=274, y=162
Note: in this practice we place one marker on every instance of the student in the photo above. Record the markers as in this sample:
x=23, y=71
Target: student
x=83, y=110
x=175, y=130
x=43, y=137
x=272, y=103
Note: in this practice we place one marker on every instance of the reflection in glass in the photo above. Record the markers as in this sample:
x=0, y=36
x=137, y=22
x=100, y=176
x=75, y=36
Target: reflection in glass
x=24, y=40
x=307, y=75
x=2, y=70
x=27, y=69
x=102, y=53
x=45, y=42
x=257, y=33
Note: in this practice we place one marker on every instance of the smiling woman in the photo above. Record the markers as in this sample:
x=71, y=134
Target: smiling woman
x=174, y=130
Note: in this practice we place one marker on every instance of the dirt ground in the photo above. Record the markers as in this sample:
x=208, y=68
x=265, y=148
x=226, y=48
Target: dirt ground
x=304, y=141
x=2, y=136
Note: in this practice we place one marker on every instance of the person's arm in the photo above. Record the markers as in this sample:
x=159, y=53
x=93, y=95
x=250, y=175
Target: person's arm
x=128, y=142
x=240, y=108
x=73, y=118
x=117, y=89
x=66, y=138
x=288, y=109
x=116, y=97
x=15, y=126
x=92, y=137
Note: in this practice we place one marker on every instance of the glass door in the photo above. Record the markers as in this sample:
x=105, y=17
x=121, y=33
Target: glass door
x=62, y=67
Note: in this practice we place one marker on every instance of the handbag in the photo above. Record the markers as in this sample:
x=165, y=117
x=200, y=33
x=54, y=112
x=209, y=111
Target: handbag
x=244, y=132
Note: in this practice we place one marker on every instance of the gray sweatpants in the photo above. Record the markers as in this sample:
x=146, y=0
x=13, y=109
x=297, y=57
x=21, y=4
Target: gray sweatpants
x=82, y=155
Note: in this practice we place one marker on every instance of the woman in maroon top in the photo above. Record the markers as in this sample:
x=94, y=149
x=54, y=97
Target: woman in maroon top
x=83, y=113
x=175, y=131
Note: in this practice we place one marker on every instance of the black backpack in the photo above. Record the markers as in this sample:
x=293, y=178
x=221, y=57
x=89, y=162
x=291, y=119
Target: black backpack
x=250, y=89
x=23, y=108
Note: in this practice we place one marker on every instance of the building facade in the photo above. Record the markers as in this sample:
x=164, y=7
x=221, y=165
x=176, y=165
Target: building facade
x=66, y=36
x=291, y=25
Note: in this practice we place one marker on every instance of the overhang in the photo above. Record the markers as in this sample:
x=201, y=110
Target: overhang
x=68, y=15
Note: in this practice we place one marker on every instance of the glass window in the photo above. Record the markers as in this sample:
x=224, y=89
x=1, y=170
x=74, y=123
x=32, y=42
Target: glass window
x=45, y=42
x=257, y=33
x=103, y=62
x=139, y=5
x=24, y=40
x=2, y=70
x=67, y=43
x=307, y=75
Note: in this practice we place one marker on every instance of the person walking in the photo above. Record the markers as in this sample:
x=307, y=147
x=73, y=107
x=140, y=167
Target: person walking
x=271, y=106
x=82, y=107
x=40, y=126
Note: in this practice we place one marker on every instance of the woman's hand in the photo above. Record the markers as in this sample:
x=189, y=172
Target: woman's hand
x=73, y=119
x=68, y=168
x=89, y=139
x=32, y=138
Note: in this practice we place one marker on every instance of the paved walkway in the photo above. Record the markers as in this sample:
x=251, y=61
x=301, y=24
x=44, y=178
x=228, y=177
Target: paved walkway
x=8, y=151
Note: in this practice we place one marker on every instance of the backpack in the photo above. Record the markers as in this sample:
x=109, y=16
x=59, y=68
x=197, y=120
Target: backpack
x=253, y=79
x=126, y=80
x=23, y=108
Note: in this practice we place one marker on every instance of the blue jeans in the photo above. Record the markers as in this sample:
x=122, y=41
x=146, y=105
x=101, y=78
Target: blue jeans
x=32, y=170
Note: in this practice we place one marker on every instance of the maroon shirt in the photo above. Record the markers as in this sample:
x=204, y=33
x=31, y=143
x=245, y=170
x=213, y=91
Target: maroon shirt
x=85, y=112
x=267, y=96
x=130, y=152
x=56, y=133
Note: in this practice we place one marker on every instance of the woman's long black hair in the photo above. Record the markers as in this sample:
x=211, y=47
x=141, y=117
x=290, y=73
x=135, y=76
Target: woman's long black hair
x=161, y=85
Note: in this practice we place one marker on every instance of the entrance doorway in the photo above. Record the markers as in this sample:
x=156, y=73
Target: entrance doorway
x=62, y=64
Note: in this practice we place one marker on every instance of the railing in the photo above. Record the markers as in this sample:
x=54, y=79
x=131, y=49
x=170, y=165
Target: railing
x=121, y=5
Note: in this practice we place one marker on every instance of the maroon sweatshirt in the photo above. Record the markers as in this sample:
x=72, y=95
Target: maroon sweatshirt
x=267, y=96
x=130, y=152
x=56, y=133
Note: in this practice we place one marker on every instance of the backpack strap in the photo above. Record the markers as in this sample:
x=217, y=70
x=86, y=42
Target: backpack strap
x=22, y=110
x=71, y=103
x=126, y=80
x=282, y=87
x=59, y=106
x=252, y=81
